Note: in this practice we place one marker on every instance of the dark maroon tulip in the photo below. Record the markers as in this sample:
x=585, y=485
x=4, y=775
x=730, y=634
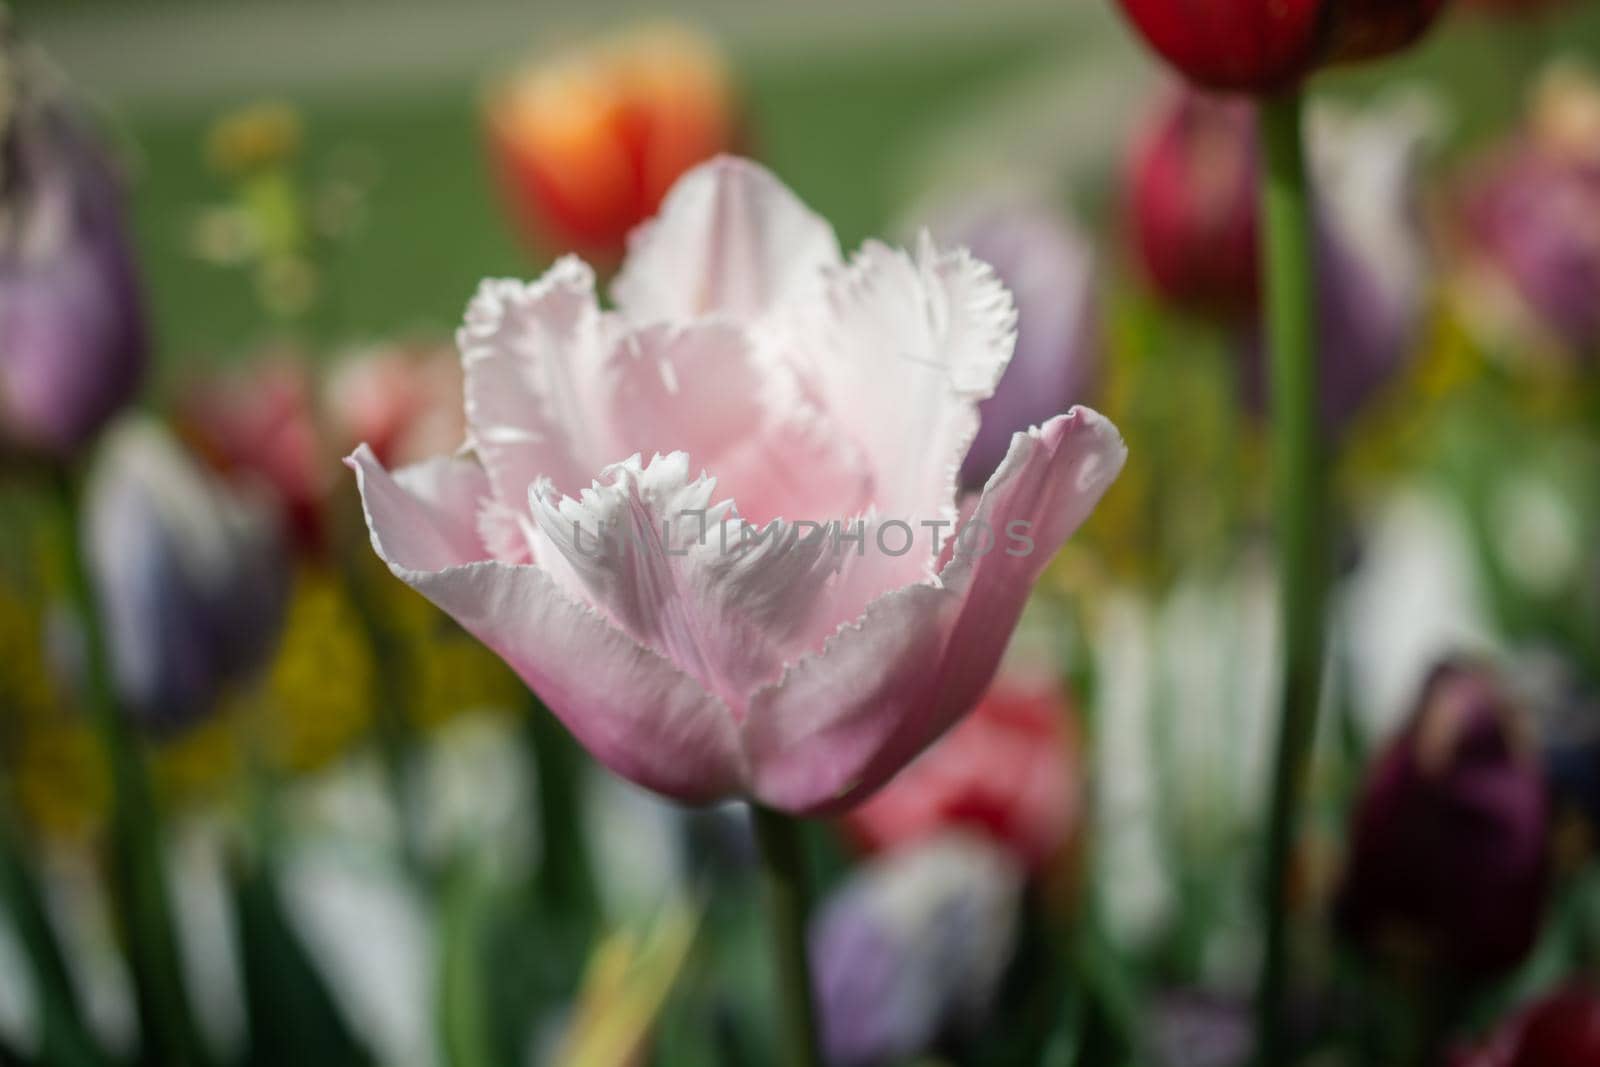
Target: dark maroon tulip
x=1561, y=1030
x=1261, y=46
x=1049, y=268
x=1193, y=180
x=1448, y=845
x=72, y=329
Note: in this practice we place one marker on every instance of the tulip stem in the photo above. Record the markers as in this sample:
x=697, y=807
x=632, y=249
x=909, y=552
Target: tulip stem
x=788, y=904
x=63, y=1036
x=1299, y=492
x=138, y=870
x=394, y=730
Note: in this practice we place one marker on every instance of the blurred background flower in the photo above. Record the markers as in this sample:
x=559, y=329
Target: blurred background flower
x=913, y=948
x=1049, y=266
x=1531, y=225
x=192, y=577
x=73, y=339
x=586, y=142
x=1449, y=846
x=1010, y=771
x=1561, y=1030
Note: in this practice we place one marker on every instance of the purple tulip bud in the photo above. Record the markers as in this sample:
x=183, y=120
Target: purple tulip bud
x=1194, y=1028
x=913, y=947
x=1448, y=846
x=191, y=575
x=72, y=330
x=1049, y=268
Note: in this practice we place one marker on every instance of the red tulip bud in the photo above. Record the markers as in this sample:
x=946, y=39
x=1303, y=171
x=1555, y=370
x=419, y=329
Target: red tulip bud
x=1193, y=177
x=1261, y=46
x=260, y=426
x=1009, y=771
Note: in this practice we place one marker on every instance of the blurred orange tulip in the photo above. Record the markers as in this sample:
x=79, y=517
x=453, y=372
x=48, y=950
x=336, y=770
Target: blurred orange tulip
x=586, y=143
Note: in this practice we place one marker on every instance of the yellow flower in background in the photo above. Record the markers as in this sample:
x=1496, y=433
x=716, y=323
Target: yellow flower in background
x=54, y=764
x=445, y=671
x=260, y=135
x=318, y=699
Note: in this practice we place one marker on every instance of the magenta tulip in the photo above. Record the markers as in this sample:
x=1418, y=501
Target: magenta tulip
x=713, y=528
x=1531, y=223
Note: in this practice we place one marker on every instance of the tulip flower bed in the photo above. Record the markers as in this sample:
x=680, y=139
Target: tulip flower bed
x=1061, y=535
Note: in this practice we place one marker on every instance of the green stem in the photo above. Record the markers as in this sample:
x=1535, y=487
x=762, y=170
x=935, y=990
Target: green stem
x=788, y=903
x=64, y=1038
x=465, y=1032
x=566, y=871
x=138, y=871
x=394, y=729
x=1299, y=497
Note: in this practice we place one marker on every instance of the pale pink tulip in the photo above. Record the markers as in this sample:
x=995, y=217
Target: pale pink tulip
x=777, y=389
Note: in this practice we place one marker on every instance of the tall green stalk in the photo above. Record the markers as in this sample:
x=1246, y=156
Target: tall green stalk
x=1299, y=498
x=394, y=730
x=64, y=1038
x=566, y=870
x=783, y=880
x=138, y=871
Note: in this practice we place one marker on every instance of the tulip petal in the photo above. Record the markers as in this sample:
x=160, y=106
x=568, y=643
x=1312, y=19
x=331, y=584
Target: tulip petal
x=703, y=389
x=647, y=721
x=683, y=575
x=533, y=356
x=907, y=349
x=841, y=722
x=731, y=239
